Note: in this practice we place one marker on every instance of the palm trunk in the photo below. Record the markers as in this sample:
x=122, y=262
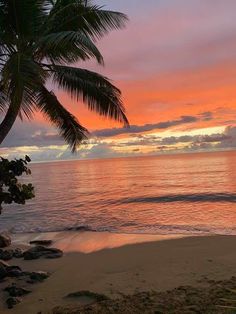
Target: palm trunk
x=9, y=120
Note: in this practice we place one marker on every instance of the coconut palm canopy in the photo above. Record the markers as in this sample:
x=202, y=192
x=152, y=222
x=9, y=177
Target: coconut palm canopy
x=42, y=40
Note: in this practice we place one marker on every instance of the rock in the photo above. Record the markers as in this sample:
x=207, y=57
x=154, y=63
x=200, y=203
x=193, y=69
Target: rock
x=9, y=271
x=54, y=255
x=38, y=276
x=18, y=253
x=14, y=271
x=15, y=291
x=26, y=273
x=41, y=251
x=89, y=294
x=10, y=268
x=3, y=263
x=5, y=240
x=29, y=255
x=6, y=255
x=41, y=242
x=3, y=271
x=12, y=301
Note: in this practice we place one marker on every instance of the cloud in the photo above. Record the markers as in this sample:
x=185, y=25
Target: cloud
x=155, y=126
x=99, y=150
x=131, y=146
x=196, y=33
x=206, y=116
x=213, y=138
x=219, y=141
x=159, y=72
x=230, y=138
x=227, y=139
x=32, y=134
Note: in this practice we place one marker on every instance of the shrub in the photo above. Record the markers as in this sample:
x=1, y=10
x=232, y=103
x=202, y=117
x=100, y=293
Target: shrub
x=11, y=190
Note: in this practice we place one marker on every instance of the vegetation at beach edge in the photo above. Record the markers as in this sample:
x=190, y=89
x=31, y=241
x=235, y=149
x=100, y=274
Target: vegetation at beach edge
x=11, y=190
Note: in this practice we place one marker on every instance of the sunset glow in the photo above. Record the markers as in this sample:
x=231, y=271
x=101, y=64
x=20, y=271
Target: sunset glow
x=175, y=65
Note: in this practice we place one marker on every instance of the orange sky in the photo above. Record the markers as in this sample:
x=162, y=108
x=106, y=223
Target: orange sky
x=176, y=58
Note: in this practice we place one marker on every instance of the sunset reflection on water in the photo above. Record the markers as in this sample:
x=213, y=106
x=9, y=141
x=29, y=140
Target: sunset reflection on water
x=175, y=194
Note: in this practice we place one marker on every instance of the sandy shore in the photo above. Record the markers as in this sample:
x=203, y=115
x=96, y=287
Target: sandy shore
x=149, y=264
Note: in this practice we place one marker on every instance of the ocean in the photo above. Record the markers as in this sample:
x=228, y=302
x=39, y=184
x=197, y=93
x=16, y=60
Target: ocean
x=168, y=194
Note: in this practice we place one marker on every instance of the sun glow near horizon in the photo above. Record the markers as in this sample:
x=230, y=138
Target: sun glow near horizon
x=176, y=68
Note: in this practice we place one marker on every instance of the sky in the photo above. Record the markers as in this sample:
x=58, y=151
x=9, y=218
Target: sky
x=176, y=66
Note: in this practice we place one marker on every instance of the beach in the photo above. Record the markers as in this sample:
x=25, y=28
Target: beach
x=117, y=157
x=116, y=268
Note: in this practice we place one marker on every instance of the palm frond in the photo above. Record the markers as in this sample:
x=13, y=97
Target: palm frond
x=67, y=46
x=28, y=104
x=22, y=19
x=20, y=78
x=70, y=128
x=94, y=89
x=90, y=19
x=36, y=38
x=4, y=101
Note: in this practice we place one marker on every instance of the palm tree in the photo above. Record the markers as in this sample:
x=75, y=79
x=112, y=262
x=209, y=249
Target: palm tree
x=40, y=41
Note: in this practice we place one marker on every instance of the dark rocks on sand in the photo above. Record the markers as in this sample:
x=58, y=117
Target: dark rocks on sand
x=15, y=291
x=14, y=271
x=6, y=255
x=18, y=253
x=54, y=255
x=9, y=271
x=5, y=240
x=88, y=294
x=41, y=242
x=3, y=263
x=12, y=301
x=3, y=270
x=38, y=276
x=41, y=251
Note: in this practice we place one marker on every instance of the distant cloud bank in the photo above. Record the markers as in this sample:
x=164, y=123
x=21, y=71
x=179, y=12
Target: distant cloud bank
x=205, y=116
x=176, y=67
x=43, y=145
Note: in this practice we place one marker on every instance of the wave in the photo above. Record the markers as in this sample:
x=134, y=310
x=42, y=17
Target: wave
x=195, y=197
x=145, y=229
x=80, y=228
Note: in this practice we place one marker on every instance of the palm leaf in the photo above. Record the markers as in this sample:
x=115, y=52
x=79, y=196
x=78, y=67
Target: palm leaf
x=20, y=78
x=22, y=19
x=94, y=89
x=70, y=129
x=4, y=101
x=35, y=36
x=90, y=19
x=67, y=46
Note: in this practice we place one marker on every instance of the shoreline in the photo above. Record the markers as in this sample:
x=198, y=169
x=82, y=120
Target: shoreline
x=124, y=270
x=90, y=241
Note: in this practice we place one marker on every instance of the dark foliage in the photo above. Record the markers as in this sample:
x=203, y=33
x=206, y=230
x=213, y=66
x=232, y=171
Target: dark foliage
x=38, y=40
x=11, y=190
